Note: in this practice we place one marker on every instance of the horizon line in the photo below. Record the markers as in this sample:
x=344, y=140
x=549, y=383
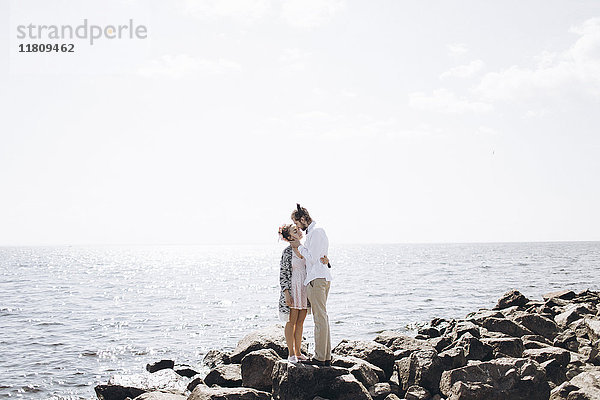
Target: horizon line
x=271, y=243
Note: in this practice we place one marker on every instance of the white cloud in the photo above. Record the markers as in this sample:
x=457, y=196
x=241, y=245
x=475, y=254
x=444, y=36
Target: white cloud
x=445, y=101
x=294, y=59
x=577, y=68
x=457, y=49
x=239, y=10
x=179, y=65
x=310, y=13
x=463, y=71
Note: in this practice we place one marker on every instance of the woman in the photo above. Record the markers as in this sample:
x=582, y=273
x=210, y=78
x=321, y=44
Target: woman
x=293, y=303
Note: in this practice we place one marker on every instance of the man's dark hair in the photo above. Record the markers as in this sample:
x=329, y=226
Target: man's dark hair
x=300, y=212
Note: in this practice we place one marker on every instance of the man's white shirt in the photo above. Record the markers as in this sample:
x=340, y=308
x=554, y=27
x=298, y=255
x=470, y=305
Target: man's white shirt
x=315, y=246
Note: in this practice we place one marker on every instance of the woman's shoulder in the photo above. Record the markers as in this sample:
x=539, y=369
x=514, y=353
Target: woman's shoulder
x=287, y=251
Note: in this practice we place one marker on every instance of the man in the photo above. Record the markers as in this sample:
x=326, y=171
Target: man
x=318, y=281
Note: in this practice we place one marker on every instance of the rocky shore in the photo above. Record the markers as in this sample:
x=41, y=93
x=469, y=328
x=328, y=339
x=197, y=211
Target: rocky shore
x=521, y=350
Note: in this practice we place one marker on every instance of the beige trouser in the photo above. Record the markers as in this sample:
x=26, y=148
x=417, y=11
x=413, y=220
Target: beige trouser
x=317, y=292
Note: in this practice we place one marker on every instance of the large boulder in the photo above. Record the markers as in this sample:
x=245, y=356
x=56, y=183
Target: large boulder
x=462, y=327
x=563, y=295
x=572, y=313
x=257, y=368
x=537, y=324
x=228, y=375
x=479, y=316
x=162, y=364
x=588, y=384
x=380, y=391
x=417, y=393
x=117, y=392
x=373, y=352
x=400, y=343
x=561, y=392
x=300, y=382
x=562, y=356
x=422, y=368
x=511, y=298
x=500, y=379
x=503, y=347
x=165, y=380
x=505, y=326
x=567, y=340
x=474, y=348
x=161, y=396
x=453, y=358
x=215, y=358
x=267, y=338
x=593, y=329
x=203, y=392
x=366, y=373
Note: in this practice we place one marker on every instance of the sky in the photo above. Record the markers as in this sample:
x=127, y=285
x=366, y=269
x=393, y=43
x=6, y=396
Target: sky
x=390, y=121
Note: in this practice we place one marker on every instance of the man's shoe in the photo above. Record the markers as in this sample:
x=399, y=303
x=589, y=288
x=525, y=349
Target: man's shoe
x=316, y=363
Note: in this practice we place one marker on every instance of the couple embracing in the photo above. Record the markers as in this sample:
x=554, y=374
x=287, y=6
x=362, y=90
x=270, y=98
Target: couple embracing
x=305, y=280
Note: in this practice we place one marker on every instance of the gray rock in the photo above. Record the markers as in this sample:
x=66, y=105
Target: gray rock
x=267, y=338
x=562, y=356
x=422, y=368
x=567, y=340
x=593, y=329
x=185, y=370
x=300, y=382
x=159, y=365
x=474, y=348
x=195, y=382
x=380, y=391
x=366, y=373
x=438, y=343
x=479, y=316
x=228, y=375
x=215, y=358
x=563, y=295
x=534, y=344
x=373, y=352
x=511, y=298
x=506, y=326
x=417, y=393
x=555, y=372
x=537, y=324
x=500, y=379
x=257, y=368
x=392, y=397
x=398, y=341
x=203, y=392
x=511, y=347
x=463, y=327
x=572, y=313
x=453, y=358
x=588, y=384
x=117, y=392
x=165, y=380
x=160, y=396
x=562, y=391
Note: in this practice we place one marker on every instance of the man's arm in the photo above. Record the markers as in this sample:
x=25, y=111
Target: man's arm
x=318, y=247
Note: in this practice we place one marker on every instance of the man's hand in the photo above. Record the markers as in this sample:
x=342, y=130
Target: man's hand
x=324, y=260
x=295, y=243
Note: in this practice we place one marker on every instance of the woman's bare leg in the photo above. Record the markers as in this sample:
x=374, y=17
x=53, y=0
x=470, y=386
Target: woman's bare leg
x=289, y=331
x=298, y=331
